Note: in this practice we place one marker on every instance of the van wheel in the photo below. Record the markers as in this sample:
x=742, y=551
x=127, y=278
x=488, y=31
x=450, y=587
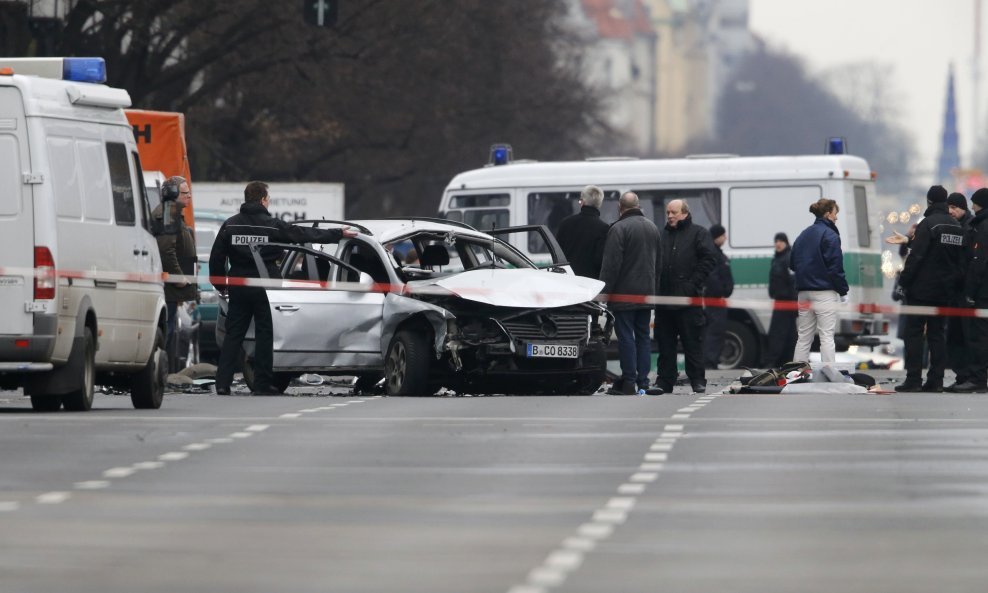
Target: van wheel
x=406, y=368
x=147, y=388
x=81, y=399
x=46, y=403
x=740, y=346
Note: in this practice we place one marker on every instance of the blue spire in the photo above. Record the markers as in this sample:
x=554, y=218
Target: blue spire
x=949, y=155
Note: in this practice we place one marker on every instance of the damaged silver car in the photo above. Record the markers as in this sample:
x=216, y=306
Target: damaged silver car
x=435, y=304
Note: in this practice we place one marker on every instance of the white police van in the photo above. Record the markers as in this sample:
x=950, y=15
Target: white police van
x=753, y=197
x=81, y=296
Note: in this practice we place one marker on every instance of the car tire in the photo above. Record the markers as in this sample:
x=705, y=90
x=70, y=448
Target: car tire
x=406, y=367
x=740, y=347
x=147, y=388
x=81, y=399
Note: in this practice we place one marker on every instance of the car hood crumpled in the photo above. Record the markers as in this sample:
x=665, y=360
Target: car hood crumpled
x=521, y=288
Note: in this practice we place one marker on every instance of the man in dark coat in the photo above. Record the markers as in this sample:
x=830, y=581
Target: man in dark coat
x=781, y=287
x=688, y=257
x=958, y=347
x=976, y=295
x=632, y=256
x=720, y=284
x=931, y=276
x=254, y=225
x=583, y=234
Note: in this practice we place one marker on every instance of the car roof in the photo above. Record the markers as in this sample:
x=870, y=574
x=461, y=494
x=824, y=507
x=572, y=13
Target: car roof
x=385, y=230
x=206, y=214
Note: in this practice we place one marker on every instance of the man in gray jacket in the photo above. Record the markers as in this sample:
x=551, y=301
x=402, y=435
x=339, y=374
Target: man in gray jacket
x=630, y=271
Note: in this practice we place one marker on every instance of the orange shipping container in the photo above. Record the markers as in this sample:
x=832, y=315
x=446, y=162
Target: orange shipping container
x=161, y=143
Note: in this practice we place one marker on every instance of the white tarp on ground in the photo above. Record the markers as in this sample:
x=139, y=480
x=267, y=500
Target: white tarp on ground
x=823, y=388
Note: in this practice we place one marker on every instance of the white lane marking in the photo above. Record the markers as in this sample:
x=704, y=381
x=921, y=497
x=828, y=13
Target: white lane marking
x=621, y=503
x=148, y=465
x=197, y=446
x=647, y=477
x=355, y=401
x=674, y=428
x=257, y=427
x=325, y=408
x=220, y=440
x=91, y=485
x=241, y=435
x=288, y=416
x=118, y=472
x=688, y=409
x=631, y=488
x=547, y=577
x=670, y=435
x=661, y=447
x=337, y=405
x=680, y=416
x=526, y=589
x=656, y=456
x=309, y=410
x=52, y=497
x=651, y=467
x=9, y=506
x=581, y=544
x=596, y=530
x=173, y=456
x=610, y=516
x=564, y=560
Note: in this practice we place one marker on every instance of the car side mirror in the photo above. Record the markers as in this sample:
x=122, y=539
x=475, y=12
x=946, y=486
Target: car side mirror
x=365, y=279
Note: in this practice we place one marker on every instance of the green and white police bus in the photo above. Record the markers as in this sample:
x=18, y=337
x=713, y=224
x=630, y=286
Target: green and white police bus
x=753, y=197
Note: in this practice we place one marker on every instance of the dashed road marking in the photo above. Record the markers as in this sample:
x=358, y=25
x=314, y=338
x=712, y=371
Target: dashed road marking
x=148, y=465
x=241, y=435
x=656, y=456
x=173, y=456
x=9, y=506
x=257, y=427
x=292, y=415
x=52, y=497
x=92, y=485
x=631, y=488
x=118, y=472
x=220, y=440
x=197, y=446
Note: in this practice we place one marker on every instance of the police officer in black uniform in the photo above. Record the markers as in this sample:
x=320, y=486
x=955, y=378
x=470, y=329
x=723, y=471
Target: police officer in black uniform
x=976, y=295
x=252, y=226
x=932, y=276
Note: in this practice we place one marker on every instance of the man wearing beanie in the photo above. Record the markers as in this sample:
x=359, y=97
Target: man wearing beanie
x=720, y=284
x=976, y=295
x=957, y=207
x=931, y=277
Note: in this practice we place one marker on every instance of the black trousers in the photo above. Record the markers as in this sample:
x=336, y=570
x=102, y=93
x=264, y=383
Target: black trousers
x=671, y=326
x=933, y=326
x=713, y=339
x=781, y=338
x=246, y=304
x=977, y=336
x=958, y=346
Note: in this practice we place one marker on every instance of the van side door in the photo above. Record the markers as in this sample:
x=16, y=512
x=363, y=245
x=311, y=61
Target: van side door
x=16, y=219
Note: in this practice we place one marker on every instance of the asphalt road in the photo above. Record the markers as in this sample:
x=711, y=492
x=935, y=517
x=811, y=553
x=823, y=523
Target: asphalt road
x=328, y=493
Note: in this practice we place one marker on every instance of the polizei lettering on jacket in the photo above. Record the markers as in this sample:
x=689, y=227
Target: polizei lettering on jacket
x=248, y=239
x=949, y=239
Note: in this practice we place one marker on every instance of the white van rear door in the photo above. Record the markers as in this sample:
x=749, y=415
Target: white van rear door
x=16, y=218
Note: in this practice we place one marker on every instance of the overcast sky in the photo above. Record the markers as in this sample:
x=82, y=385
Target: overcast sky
x=917, y=39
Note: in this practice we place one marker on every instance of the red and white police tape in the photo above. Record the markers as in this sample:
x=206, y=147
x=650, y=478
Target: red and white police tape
x=12, y=275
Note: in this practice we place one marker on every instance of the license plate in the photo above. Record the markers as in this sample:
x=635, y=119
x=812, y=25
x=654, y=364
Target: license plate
x=552, y=351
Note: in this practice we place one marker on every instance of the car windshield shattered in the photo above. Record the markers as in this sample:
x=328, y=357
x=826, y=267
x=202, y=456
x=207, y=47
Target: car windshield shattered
x=412, y=306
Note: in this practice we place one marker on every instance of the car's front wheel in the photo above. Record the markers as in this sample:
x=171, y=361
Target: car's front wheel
x=406, y=368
